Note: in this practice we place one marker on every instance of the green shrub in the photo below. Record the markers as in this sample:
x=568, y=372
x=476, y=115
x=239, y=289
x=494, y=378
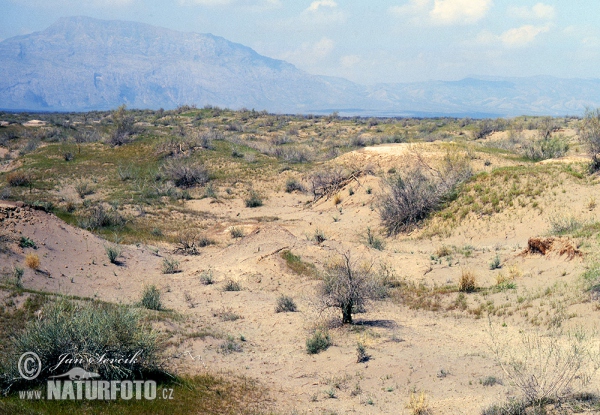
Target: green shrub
x=151, y=298
x=236, y=232
x=206, y=277
x=292, y=185
x=170, y=266
x=373, y=241
x=318, y=342
x=25, y=242
x=113, y=252
x=254, y=200
x=285, y=304
x=18, y=178
x=81, y=330
x=231, y=285
x=495, y=264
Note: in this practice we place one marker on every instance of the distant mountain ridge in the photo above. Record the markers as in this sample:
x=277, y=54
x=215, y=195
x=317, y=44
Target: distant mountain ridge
x=81, y=63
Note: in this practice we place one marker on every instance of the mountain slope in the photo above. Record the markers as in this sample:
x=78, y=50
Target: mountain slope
x=80, y=63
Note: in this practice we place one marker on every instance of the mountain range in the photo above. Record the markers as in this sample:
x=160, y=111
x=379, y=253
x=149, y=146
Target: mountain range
x=81, y=64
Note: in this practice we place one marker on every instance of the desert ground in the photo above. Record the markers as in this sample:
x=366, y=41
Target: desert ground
x=429, y=344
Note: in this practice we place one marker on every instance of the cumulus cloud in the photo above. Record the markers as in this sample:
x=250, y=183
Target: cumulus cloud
x=255, y=4
x=459, y=11
x=523, y=35
x=310, y=54
x=539, y=11
x=350, y=61
x=315, y=5
x=411, y=8
x=443, y=12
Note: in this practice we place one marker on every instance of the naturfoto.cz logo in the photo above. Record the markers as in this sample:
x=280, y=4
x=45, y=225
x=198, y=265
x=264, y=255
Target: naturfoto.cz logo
x=80, y=384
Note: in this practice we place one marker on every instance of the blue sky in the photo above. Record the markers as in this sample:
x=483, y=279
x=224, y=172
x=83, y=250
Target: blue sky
x=368, y=41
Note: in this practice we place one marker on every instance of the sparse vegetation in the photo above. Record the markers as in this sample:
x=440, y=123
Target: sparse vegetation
x=32, y=261
x=231, y=285
x=113, y=252
x=170, y=266
x=348, y=286
x=86, y=329
x=285, y=304
x=254, y=200
x=317, y=342
x=467, y=282
x=151, y=298
x=413, y=195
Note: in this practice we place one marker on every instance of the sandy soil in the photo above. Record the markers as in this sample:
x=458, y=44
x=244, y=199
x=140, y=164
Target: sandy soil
x=444, y=353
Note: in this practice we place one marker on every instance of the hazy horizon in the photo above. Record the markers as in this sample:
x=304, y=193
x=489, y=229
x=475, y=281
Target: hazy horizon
x=378, y=42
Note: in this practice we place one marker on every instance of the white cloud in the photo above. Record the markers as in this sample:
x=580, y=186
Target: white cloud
x=411, y=8
x=252, y=4
x=523, y=35
x=350, y=61
x=539, y=11
x=310, y=54
x=315, y=5
x=459, y=11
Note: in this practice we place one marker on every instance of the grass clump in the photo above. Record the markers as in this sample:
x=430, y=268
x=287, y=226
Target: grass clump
x=318, y=342
x=25, y=242
x=361, y=353
x=18, y=178
x=16, y=277
x=151, y=298
x=32, y=261
x=254, y=200
x=81, y=330
x=231, y=285
x=418, y=404
x=467, y=283
x=495, y=264
x=292, y=185
x=206, y=277
x=373, y=241
x=295, y=263
x=186, y=174
x=285, y=304
x=170, y=266
x=236, y=232
x=113, y=252
x=563, y=224
x=84, y=188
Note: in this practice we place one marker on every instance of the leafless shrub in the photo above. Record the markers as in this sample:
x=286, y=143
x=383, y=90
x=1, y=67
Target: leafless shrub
x=18, y=178
x=325, y=183
x=348, y=286
x=589, y=134
x=188, y=241
x=124, y=127
x=185, y=174
x=412, y=196
x=547, y=365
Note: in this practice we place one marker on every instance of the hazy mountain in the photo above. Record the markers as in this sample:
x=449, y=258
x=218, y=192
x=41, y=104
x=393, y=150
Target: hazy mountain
x=81, y=63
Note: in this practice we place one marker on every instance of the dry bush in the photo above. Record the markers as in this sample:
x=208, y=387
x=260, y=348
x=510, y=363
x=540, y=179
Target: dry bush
x=18, y=178
x=467, y=282
x=186, y=174
x=589, y=134
x=348, y=286
x=188, y=241
x=547, y=365
x=325, y=183
x=412, y=196
x=32, y=261
x=124, y=127
x=418, y=404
